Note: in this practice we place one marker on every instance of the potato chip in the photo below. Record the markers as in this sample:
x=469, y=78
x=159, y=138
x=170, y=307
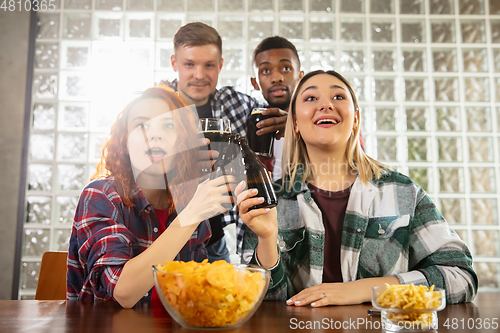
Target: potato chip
x=209, y=295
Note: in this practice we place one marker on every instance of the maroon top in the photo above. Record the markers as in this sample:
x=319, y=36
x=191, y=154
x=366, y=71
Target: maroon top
x=163, y=218
x=333, y=206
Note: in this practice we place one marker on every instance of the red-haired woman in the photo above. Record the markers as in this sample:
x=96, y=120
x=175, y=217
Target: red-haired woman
x=129, y=218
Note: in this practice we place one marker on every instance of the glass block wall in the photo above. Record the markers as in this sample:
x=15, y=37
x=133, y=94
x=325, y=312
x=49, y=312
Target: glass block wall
x=427, y=74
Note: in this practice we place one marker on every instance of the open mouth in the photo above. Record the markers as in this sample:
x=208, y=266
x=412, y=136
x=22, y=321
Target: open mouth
x=156, y=154
x=278, y=91
x=326, y=121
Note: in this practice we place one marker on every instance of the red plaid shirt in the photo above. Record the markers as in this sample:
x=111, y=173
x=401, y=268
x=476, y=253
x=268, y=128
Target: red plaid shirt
x=106, y=234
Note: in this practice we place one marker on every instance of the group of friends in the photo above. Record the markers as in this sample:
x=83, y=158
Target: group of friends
x=344, y=222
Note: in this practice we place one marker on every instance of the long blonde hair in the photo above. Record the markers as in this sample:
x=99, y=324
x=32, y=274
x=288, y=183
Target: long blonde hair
x=295, y=156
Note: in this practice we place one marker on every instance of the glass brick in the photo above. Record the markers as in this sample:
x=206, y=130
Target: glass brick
x=417, y=119
x=140, y=5
x=462, y=234
x=115, y=5
x=383, y=31
x=231, y=28
x=77, y=4
x=385, y=119
x=261, y=5
x=414, y=60
x=471, y=7
x=496, y=60
x=453, y=210
x=75, y=56
x=291, y=5
x=36, y=242
x=103, y=114
x=47, y=55
x=44, y=116
x=482, y=180
x=450, y=149
x=484, y=211
x=386, y=148
x=446, y=89
x=321, y=6
x=352, y=6
x=47, y=26
x=448, y=119
x=451, y=180
x=168, y=27
x=41, y=147
x=443, y=31
x=65, y=209
x=61, y=239
x=106, y=56
x=413, y=32
x=74, y=116
x=39, y=177
x=109, y=27
x=352, y=31
x=384, y=60
x=45, y=85
x=321, y=58
x=352, y=60
x=383, y=89
x=445, y=60
x=497, y=88
x=478, y=119
x=164, y=51
x=488, y=274
x=233, y=59
x=29, y=275
x=480, y=149
x=495, y=31
x=382, y=6
x=231, y=5
x=139, y=28
x=71, y=177
x=476, y=89
x=412, y=7
x=72, y=147
x=74, y=86
x=237, y=82
x=494, y=7
x=77, y=25
x=473, y=31
x=200, y=5
x=139, y=54
x=486, y=242
x=442, y=6
x=96, y=143
x=260, y=27
x=420, y=176
x=417, y=149
x=292, y=28
x=415, y=89
x=321, y=30
x=475, y=60
x=38, y=210
x=358, y=85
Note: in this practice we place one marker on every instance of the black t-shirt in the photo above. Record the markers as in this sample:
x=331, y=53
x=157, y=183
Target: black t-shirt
x=205, y=111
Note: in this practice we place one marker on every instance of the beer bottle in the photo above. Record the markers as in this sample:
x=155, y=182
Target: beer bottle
x=257, y=176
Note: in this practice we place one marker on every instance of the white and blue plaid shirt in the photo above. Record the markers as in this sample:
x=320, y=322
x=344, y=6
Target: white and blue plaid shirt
x=227, y=103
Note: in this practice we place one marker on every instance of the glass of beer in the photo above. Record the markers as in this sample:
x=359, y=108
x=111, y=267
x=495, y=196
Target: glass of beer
x=261, y=144
x=217, y=130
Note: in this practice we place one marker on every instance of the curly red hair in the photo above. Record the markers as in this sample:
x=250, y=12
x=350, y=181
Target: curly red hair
x=115, y=159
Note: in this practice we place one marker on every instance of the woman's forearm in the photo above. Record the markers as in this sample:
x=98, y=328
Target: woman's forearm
x=267, y=252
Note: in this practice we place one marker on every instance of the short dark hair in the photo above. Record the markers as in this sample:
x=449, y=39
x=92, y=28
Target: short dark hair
x=197, y=34
x=271, y=43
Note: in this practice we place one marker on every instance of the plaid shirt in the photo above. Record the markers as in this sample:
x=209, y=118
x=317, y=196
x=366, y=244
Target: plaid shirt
x=227, y=103
x=106, y=234
x=391, y=228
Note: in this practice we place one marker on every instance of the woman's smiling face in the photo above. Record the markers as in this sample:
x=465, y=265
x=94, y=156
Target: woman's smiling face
x=152, y=137
x=325, y=113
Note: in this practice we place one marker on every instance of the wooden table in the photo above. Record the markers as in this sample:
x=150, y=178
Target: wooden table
x=75, y=316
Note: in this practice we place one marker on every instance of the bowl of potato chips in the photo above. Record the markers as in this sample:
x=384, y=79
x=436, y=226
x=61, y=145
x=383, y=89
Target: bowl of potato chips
x=408, y=308
x=204, y=295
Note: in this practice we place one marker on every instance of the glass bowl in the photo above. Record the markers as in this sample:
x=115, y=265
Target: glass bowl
x=422, y=318
x=225, y=297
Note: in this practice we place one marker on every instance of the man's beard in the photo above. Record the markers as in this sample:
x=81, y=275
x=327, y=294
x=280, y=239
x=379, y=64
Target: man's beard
x=281, y=105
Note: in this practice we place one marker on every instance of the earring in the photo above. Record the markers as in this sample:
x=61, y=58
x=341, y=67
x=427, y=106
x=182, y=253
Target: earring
x=297, y=136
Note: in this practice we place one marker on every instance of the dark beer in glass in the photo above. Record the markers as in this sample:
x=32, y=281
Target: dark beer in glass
x=262, y=145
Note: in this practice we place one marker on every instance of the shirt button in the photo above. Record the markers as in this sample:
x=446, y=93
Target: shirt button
x=146, y=295
x=359, y=230
x=155, y=229
x=282, y=244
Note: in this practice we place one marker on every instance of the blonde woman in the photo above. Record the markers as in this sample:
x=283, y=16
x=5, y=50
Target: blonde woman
x=345, y=222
